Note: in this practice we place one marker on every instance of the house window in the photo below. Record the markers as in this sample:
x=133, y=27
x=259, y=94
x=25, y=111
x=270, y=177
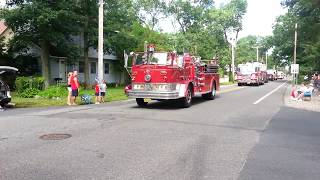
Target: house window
x=93, y=68
x=81, y=67
x=106, y=68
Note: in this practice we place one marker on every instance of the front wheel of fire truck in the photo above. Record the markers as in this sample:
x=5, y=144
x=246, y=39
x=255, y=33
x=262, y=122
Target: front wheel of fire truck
x=187, y=100
x=141, y=102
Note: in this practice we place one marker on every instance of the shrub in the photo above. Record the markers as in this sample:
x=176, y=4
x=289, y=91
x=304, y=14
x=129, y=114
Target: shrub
x=29, y=93
x=54, y=91
x=112, y=84
x=23, y=83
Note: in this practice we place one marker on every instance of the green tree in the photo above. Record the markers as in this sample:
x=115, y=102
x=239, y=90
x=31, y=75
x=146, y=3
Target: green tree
x=87, y=12
x=44, y=23
x=228, y=21
x=245, y=50
x=306, y=15
x=151, y=11
x=189, y=15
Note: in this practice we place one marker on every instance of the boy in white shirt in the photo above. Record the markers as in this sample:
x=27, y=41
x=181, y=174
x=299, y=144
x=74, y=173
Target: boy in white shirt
x=103, y=88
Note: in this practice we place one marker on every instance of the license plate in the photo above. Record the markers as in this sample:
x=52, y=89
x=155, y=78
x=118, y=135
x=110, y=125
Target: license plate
x=146, y=100
x=148, y=87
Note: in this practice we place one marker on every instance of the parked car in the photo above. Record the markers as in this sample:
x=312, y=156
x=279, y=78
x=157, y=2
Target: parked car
x=5, y=96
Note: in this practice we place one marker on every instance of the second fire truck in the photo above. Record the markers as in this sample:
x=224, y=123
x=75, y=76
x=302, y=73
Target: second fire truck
x=251, y=73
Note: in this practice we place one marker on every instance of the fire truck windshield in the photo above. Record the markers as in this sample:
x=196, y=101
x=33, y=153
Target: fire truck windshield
x=246, y=70
x=160, y=58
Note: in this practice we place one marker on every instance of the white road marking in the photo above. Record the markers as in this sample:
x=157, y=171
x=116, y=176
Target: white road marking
x=265, y=96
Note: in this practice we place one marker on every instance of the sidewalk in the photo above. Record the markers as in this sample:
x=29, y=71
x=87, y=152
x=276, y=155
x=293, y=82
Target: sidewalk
x=313, y=105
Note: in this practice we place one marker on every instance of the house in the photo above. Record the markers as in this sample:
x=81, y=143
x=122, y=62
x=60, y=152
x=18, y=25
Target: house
x=5, y=32
x=59, y=66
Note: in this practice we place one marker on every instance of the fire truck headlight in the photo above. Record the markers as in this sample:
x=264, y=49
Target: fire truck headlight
x=177, y=87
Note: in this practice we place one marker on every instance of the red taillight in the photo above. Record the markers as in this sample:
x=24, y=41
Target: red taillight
x=127, y=88
x=238, y=77
x=253, y=76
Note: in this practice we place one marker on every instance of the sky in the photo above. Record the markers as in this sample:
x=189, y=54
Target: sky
x=259, y=19
x=260, y=16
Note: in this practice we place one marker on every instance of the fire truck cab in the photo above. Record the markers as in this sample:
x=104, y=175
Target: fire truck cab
x=166, y=76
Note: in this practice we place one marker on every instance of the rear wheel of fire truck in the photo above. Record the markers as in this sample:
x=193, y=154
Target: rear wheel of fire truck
x=141, y=102
x=211, y=95
x=240, y=84
x=186, y=101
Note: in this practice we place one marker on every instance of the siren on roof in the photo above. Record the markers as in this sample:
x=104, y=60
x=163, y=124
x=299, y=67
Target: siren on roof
x=151, y=47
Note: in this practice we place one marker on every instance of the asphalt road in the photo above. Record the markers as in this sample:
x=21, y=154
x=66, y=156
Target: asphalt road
x=230, y=137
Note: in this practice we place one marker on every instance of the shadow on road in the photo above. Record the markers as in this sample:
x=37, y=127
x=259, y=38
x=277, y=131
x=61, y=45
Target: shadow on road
x=173, y=104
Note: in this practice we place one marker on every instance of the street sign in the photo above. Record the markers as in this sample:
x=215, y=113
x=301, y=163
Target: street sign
x=294, y=68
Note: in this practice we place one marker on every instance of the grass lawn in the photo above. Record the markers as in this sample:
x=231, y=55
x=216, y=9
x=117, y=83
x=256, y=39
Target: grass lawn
x=227, y=83
x=112, y=94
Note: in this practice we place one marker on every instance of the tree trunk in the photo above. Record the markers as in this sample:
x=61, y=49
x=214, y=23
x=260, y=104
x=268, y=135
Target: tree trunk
x=45, y=62
x=86, y=57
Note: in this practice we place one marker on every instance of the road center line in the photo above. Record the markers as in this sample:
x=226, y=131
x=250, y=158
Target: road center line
x=265, y=96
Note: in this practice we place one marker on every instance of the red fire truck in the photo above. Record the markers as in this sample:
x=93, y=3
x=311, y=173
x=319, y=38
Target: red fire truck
x=251, y=73
x=166, y=76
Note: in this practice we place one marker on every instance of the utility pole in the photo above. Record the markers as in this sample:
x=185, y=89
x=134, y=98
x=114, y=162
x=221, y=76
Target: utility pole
x=233, y=42
x=232, y=57
x=295, y=52
x=100, y=42
x=257, y=47
x=267, y=60
x=295, y=45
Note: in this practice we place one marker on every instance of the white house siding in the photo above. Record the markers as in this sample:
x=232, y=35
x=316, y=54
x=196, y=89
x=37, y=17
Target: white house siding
x=59, y=69
x=112, y=77
x=54, y=69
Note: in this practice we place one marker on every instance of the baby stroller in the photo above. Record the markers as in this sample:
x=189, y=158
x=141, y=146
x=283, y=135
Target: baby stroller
x=86, y=99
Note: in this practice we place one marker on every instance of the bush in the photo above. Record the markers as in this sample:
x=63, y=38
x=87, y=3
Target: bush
x=28, y=87
x=112, y=84
x=23, y=83
x=29, y=93
x=54, y=91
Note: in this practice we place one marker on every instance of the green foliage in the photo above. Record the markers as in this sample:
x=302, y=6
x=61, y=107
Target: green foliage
x=54, y=91
x=151, y=11
x=306, y=15
x=28, y=93
x=23, y=83
x=44, y=23
x=203, y=27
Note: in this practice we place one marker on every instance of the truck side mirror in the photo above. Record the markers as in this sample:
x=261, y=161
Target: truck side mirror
x=125, y=56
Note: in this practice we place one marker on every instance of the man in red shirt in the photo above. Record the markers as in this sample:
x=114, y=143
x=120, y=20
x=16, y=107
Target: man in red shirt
x=74, y=87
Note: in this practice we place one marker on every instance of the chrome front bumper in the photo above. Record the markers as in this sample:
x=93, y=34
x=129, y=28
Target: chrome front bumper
x=247, y=81
x=153, y=94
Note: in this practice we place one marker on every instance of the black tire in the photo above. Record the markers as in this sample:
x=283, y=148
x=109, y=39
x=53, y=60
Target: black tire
x=141, y=103
x=239, y=84
x=187, y=101
x=212, y=94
